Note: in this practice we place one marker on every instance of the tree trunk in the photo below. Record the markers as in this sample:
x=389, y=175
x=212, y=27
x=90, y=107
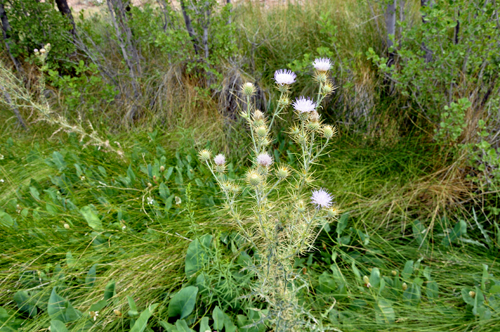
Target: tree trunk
x=428, y=52
x=390, y=23
x=6, y=37
x=189, y=26
x=63, y=7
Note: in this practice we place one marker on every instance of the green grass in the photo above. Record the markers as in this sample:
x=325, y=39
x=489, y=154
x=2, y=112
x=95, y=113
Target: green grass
x=146, y=259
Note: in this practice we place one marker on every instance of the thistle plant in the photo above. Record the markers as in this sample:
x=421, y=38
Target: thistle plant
x=283, y=213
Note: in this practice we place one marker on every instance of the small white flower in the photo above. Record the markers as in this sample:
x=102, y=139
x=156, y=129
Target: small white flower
x=2, y=180
x=264, y=159
x=94, y=314
x=284, y=76
x=304, y=105
x=1, y=157
x=150, y=200
x=321, y=198
x=322, y=64
x=123, y=227
x=220, y=160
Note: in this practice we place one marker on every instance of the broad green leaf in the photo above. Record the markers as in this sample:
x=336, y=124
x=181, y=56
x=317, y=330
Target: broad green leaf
x=91, y=276
x=6, y=219
x=478, y=302
x=407, y=271
x=459, y=230
x=326, y=283
x=164, y=191
x=204, y=327
x=133, y=308
x=98, y=306
x=412, y=295
x=218, y=316
x=131, y=174
x=432, y=290
x=35, y=193
x=57, y=306
x=355, y=270
x=182, y=303
x=384, y=313
x=91, y=218
x=142, y=322
x=57, y=326
x=342, y=224
x=182, y=326
x=168, y=173
x=71, y=314
x=24, y=304
x=484, y=277
x=466, y=296
x=109, y=291
x=375, y=277
x=70, y=260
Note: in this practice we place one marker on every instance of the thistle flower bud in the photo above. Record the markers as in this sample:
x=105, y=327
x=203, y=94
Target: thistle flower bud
x=261, y=131
x=302, y=139
x=117, y=312
x=328, y=131
x=248, y=89
x=394, y=273
x=259, y=122
x=254, y=178
x=313, y=125
x=328, y=88
x=472, y=294
x=404, y=286
x=301, y=206
x=154, y=178
x=235, y=188
x=162, y=168
x=204, y=155
x=149, y=184
x=332, y=212
x=303, y=116
x=226, y=186
x=321, y=77
x=258, y=115
x=66, y=226
x=265, y=141
x=314, y=116
x=366, y=280
x=220, y=168
x=284, y=101
x=36, y=51
x=294, y=130
x=42, y=51
x=282, y=172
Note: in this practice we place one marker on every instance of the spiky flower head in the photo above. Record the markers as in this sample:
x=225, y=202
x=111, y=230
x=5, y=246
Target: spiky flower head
x=254, y=178
x=282, y=172
x=284, y=77
x=321, y=198
x=261, y=131
x=264, y=159
x=328, y=131
x=313, y=125
x=322, y=64
x=248, y=89
x=328, y=88
x=304, y=105
x=301, y=206
x=220, y=160
x=332, y=212
x=314, y=116
x=204, y=155
x=258, y=115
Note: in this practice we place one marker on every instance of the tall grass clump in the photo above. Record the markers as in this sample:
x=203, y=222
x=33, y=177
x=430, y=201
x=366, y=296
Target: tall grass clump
x=277, y=212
